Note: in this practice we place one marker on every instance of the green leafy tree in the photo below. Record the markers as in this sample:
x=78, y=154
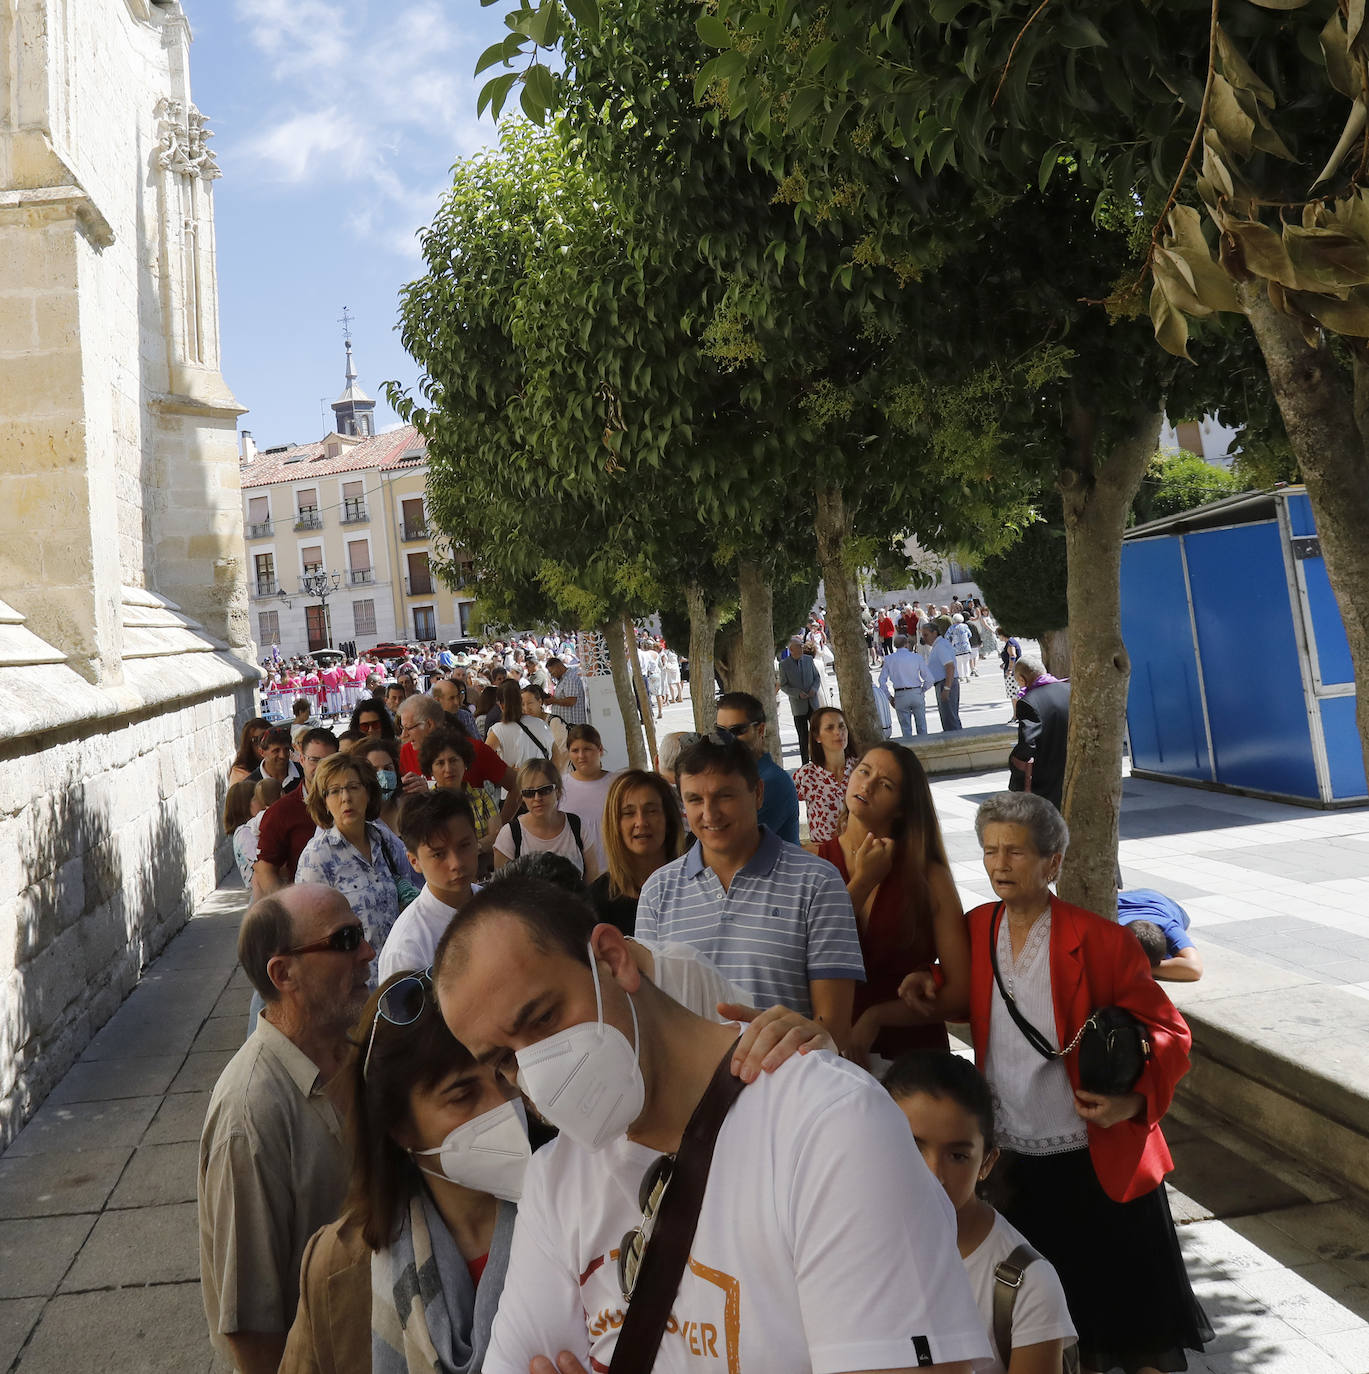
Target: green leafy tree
x=1177, y=482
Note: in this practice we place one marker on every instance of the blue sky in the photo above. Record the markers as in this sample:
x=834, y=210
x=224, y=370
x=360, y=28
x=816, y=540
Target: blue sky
x=336, y=123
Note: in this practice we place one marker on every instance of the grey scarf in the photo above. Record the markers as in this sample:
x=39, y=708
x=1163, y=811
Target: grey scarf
x=427, y=1315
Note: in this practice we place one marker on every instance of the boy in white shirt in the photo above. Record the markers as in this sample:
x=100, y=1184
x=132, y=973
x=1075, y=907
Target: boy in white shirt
x=438, y=830
x=823, y=1244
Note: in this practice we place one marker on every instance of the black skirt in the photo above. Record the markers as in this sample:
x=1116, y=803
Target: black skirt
x=1119, y=1262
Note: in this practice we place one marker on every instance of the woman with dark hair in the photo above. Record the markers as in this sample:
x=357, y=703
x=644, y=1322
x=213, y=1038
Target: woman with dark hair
x=372, y=717
x=891, y=857
x=409, y=1277
x=382, y=753
x=514, y=737
x=641, y=830
x=485, y=702
x=821, y=782
x=248, y=758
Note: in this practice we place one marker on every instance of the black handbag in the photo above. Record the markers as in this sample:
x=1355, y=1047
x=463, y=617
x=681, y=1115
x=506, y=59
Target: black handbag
x=1113, y=1045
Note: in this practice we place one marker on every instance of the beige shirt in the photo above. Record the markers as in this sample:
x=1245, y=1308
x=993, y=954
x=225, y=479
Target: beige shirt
x=273, y=1170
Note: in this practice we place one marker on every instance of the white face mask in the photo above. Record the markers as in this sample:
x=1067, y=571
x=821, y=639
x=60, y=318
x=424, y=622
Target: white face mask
x=488, y=1154
x=586, y=1080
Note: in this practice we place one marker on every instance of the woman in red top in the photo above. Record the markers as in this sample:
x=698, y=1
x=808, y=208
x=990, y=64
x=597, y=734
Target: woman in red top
x=1081, y=1174
x=890, y=855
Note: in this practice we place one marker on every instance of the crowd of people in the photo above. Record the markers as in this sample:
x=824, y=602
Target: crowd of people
x=557, y=1068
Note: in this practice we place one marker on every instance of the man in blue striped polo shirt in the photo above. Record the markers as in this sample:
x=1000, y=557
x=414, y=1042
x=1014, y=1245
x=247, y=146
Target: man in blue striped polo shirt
x=774, y=918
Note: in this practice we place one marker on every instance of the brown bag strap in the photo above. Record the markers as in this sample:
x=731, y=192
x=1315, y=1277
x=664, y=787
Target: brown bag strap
x=1007, y=1279
x=667, y=1252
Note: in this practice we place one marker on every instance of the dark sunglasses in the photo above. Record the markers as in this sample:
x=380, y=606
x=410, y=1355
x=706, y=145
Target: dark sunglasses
x=539, y=791
x=344, y=940
x=401, y=1004
x=633, y=1248
x=735, y=731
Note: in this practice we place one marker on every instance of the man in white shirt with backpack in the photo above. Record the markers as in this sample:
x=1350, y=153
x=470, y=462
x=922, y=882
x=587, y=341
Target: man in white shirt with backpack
x=815, y=1239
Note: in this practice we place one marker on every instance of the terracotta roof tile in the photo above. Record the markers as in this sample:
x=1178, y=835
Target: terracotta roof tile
x=301, y=462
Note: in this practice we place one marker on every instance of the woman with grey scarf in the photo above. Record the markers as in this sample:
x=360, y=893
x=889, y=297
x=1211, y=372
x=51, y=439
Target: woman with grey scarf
x=408, y=1279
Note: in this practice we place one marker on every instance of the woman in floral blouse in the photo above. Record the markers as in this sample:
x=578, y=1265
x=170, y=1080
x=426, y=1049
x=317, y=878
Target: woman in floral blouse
x=353, y=850
x=821, y=782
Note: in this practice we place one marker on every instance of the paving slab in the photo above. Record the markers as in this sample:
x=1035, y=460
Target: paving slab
x=18, y=1317
x=85, y=1126
x=236, y=1000
x=98, y=1080
x=201, y=1070
x=154, y=1330
x=220, y=1033
x=158, y=1174
x=180, y=1117
x=34, y=1254
x=50, y=1184
x=145, y=1032
x=141, y=1246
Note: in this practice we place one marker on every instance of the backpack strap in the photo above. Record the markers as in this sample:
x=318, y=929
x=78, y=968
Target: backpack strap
x=516, y=831
x=1007, y=1282
x=573, y=821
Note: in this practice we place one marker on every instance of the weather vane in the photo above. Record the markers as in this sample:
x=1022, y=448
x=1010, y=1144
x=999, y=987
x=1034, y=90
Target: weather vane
x=346, y=323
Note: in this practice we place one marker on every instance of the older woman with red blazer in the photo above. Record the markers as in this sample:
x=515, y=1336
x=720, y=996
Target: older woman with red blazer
x=1082, y=1174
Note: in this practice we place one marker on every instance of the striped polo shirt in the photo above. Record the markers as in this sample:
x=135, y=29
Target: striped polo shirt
x=785, y=920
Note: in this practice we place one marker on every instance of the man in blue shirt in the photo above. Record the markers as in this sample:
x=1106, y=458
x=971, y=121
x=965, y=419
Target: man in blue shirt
x=743, y=717
x=909, y=677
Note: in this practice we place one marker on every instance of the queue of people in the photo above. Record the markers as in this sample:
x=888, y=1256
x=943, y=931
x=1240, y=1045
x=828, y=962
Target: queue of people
x=556, y=1068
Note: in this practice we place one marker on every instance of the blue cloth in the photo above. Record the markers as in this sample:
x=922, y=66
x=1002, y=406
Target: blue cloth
x=784, y=921
x=780, y=804
x=1143, y=904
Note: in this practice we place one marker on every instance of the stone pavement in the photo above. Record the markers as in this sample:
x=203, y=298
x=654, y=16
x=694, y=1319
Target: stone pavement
x=98, y=1242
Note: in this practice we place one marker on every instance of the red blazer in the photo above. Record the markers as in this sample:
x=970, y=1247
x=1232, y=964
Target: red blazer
x=1095, y=963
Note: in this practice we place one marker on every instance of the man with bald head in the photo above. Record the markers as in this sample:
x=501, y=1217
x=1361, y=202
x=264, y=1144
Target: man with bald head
x=273, y=1167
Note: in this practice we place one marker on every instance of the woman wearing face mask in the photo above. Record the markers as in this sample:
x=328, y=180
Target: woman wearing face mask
x=891, y=857
x=383, y=755
x=439, y=1147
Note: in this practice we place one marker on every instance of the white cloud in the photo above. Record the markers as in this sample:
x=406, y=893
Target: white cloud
x=372, y=102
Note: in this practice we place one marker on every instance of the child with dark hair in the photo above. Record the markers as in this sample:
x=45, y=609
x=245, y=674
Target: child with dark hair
x=949, y=1106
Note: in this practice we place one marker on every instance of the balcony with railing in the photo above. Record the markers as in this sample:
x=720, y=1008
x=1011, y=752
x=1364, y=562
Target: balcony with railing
x=264, y=587
x=358, y=576
x=308, y=519
x=415, y=529
x=261, y=530
x=354, y=512
x=419, y=585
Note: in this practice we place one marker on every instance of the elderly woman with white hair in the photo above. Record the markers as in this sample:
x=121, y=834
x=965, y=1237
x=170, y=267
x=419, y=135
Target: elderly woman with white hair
x=958, y=636
x=1082, y=1172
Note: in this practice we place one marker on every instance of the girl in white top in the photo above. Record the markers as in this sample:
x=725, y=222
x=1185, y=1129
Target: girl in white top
x=517, y=738
x=545, y=827
x=586, y=783
x=949, y=1106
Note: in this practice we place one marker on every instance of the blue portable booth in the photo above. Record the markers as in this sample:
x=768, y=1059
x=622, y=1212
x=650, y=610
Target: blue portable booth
x=1240, y=669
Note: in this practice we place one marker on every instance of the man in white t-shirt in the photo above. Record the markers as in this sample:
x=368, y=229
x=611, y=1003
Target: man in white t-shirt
x=823, y=1242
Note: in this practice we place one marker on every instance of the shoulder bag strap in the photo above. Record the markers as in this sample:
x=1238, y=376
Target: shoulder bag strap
x=1007, y=1281
x=667, y=1252
x=541, y=748
x=1035, y=1039
x=573, y=821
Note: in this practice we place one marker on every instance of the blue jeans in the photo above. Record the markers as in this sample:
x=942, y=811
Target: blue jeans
x=910, y=705
x=948, y=704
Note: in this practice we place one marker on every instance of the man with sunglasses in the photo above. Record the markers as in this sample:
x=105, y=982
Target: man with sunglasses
x=823, y=1243
x=743, y=717
x=272, y=1166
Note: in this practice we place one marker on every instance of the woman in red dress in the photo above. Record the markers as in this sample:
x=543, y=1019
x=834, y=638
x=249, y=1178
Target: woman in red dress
x=891, y=857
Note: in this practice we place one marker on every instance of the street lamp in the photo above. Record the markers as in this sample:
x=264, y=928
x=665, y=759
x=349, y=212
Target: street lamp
x=318, y=582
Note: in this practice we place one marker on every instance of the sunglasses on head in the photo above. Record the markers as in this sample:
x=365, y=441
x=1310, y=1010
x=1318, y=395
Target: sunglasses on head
x=401, y=1004
x=344, y=940
x=539, y=791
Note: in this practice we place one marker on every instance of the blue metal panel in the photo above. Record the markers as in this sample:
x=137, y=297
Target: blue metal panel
x=1164, y=709
x=1344, y=756
x=1256, y=708
x=1327, y=630
x=1300, y=519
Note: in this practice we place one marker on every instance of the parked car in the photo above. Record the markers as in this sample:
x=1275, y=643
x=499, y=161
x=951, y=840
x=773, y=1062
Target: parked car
x=326, y=658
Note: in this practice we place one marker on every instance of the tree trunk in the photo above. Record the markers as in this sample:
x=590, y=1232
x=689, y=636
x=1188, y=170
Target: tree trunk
x=758, y=645
x=1055, y=652
x=622, y=687
x=1097, y=496
x=1328, y=426
x=643, y=696
x=703, y=642
x=851, y=661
